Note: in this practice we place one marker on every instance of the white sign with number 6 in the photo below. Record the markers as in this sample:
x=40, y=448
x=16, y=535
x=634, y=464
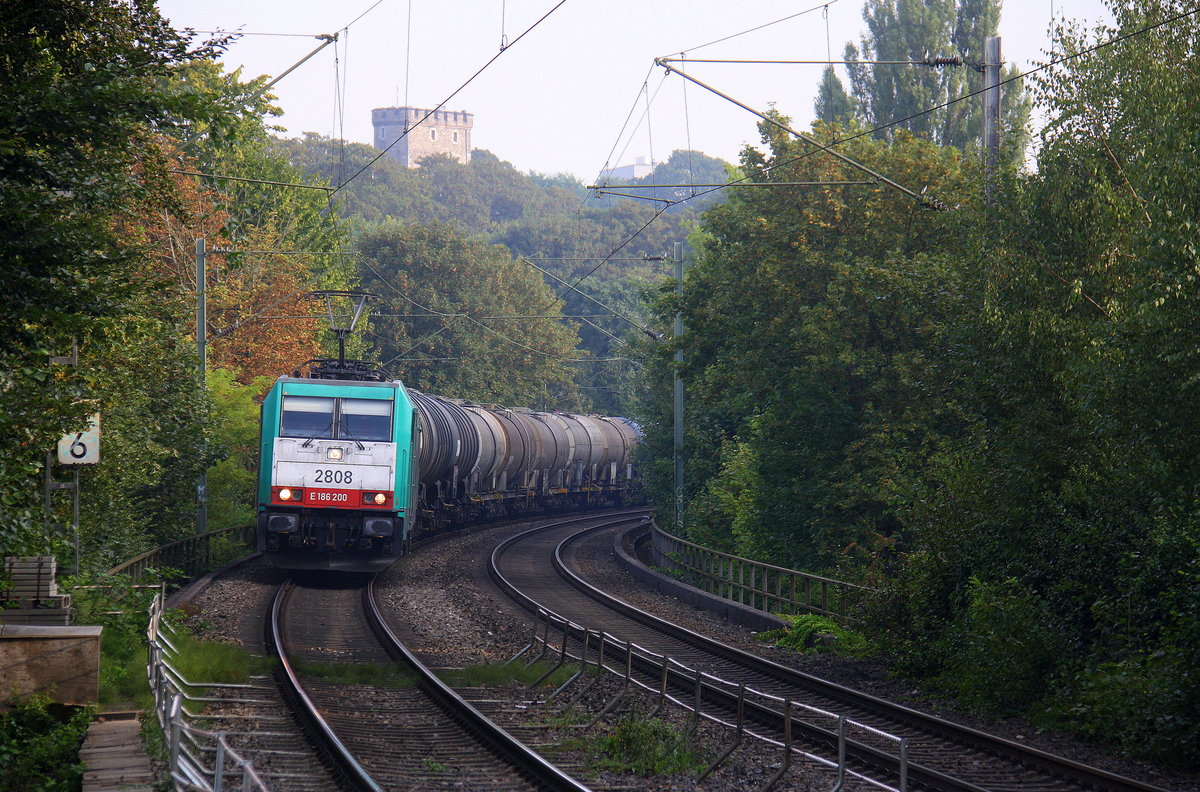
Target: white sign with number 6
x=81, y=448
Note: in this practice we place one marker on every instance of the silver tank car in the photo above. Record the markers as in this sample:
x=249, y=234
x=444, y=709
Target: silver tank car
x=478, y=460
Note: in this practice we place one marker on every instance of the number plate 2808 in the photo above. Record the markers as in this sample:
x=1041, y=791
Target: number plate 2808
x=335, y=476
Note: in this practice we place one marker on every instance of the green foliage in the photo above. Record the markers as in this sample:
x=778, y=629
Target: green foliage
x=452, y=298
x=504, y=675
x=121, y=610
x=1142, y=705
x=39, y=746
x=1002, y=648
x=807, y=356
x=87, y=90
x=911, y=30
x=142, y=373
x=648, y=747
x=235, y=420
x=810, y=633
x=988, y=413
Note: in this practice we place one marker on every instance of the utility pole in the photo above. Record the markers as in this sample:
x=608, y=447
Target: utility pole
x=678, y=410
x=992, y=61
x=201, y=333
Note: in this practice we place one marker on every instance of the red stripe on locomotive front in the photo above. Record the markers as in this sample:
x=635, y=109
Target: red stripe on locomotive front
x=334, y=498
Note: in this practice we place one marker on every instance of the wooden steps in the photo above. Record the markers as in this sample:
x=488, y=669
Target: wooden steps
x=115, y=760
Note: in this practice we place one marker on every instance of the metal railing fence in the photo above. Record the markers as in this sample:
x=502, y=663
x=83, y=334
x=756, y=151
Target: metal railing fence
x=753, y=583
x=198, y=759
x=601, y=651
x=192, y=555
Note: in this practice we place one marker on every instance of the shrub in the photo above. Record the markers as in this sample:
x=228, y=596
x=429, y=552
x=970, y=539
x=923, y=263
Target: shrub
x=1141, y=705
x=805, y=633
x=649, y=748
x=39, y=746
x=1002, y=648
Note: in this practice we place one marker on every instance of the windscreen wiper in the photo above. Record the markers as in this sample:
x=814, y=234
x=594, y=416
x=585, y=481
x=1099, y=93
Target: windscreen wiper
x=312, y=437
x=341, y=436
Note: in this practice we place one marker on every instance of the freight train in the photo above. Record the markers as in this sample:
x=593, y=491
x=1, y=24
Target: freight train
x=354, y=467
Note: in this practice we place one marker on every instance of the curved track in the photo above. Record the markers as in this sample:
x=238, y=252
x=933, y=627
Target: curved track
x=417, y=737
x=942, y=754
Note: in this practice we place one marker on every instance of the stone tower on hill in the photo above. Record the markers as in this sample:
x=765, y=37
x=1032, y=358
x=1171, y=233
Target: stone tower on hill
x=444, y=132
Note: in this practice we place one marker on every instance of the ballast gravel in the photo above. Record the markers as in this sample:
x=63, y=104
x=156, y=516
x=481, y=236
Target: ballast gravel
x=442, y=604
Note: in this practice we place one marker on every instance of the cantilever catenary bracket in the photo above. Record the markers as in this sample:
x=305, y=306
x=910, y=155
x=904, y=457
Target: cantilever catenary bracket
x=827, y=148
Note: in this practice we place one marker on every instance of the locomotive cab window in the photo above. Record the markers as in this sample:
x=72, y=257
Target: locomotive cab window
x=307, y=416
x=365, y=419
x=322, y=418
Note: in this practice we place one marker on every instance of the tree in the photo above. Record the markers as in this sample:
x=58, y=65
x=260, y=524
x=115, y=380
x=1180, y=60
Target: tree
x=88, y=94
x=833, y=105
x=806, y=336
x=899, y=95
x=465, y=319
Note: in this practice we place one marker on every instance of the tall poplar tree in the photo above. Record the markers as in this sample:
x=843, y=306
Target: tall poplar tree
x=913, y=30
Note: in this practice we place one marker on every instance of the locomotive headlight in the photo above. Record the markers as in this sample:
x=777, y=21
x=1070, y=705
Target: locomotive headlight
x=285, y=494
x=380, y=498
x=334, y=454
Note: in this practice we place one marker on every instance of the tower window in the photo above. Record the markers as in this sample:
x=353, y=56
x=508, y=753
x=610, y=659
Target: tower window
x=454, y=136
x=433, y=134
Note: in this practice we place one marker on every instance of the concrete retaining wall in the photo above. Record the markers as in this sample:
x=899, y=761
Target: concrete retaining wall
x=61, y=661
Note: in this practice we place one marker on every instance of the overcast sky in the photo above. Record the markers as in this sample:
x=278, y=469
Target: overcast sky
x=557, y=99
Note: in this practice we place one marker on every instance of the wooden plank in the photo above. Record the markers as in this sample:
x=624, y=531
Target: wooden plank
x=114, y=758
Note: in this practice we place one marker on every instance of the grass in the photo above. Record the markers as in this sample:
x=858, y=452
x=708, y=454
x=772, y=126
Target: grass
x=389, y=675
x=505, y=675
x=219, y=663
x=123, y=683
x=642, y=746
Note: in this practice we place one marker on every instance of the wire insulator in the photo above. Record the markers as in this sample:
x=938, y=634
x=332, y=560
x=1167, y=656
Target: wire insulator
x=942, y=60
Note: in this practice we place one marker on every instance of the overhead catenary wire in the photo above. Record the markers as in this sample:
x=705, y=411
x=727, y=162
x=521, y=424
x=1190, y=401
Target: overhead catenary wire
x=805, y=137
x=469, y=318
x=757, y=28
x=952, y=60
x=276, y=303
x=587, y=296
x=200, y=174
x=326, y=40
x=971, y=94
x=450, y=96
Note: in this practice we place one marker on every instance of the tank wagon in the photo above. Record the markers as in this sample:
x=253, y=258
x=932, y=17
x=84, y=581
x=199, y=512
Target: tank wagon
x=351, y=472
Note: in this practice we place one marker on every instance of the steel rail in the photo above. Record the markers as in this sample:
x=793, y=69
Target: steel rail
x=866, y=755
x=1024, y=755
x=313, y=720
x=508, y=747
x=857, y=751
x=1029, y=758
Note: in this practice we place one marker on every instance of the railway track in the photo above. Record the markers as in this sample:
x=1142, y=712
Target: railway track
x=407, y=732
x=941, y=755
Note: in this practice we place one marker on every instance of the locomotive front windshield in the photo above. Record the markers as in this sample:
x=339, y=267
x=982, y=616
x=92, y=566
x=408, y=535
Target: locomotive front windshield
x=307, y=416
x=324, y=418
x=365, y=419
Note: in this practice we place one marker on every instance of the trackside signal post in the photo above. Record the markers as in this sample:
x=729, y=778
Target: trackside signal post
x=74, y=449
